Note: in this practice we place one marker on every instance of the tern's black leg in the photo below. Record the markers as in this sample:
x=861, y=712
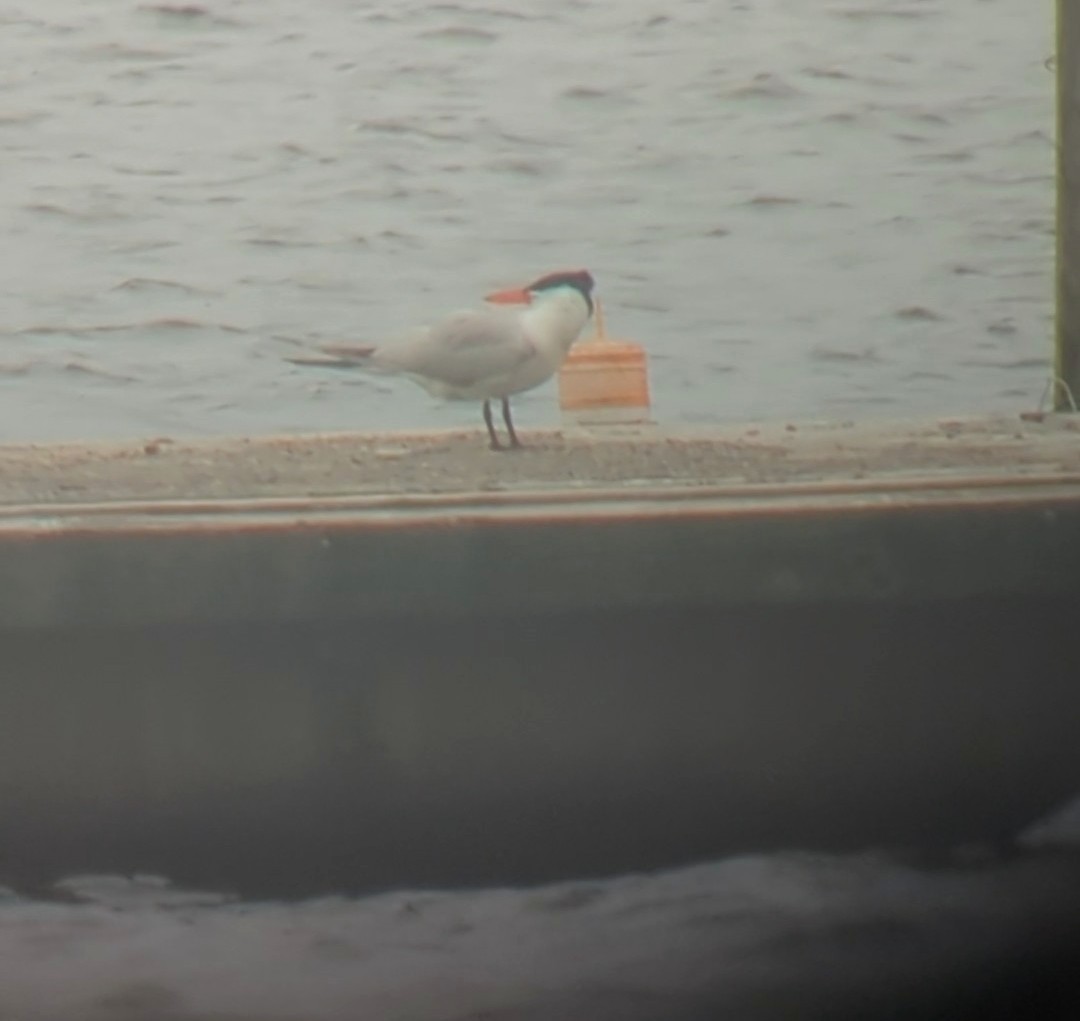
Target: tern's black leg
x=514, y=441
x=495, y=444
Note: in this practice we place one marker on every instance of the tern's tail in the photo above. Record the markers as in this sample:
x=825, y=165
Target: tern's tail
x=349, y=352
x=342, y=356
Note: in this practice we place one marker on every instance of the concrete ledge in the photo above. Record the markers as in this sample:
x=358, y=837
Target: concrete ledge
x=626, y=459
x=303, y=665
x=332, y=559
x=879, y=513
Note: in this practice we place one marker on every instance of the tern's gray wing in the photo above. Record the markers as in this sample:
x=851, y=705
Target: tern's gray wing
x=463, y=350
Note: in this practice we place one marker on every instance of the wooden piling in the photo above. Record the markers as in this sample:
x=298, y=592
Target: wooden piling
x=1067, y=348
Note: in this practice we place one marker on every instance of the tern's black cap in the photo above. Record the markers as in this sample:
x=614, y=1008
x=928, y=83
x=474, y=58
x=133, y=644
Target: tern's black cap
x=580, y=279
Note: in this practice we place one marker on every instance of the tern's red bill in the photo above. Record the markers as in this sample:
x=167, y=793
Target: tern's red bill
x=511, y=296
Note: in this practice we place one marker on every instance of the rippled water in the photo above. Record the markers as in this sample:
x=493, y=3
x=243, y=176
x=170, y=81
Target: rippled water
x=782, y=937
x=827, y=209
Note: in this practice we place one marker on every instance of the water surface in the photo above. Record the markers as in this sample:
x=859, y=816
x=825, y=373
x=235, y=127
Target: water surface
x=821, y=210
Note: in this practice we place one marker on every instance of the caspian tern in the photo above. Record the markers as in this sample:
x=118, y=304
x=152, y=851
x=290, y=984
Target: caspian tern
x=486, y=353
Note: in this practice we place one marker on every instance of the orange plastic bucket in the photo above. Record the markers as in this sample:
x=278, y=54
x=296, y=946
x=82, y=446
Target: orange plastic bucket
x=604, y=380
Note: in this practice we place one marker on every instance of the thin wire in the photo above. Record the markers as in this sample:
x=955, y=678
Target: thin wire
x=1053, y=382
